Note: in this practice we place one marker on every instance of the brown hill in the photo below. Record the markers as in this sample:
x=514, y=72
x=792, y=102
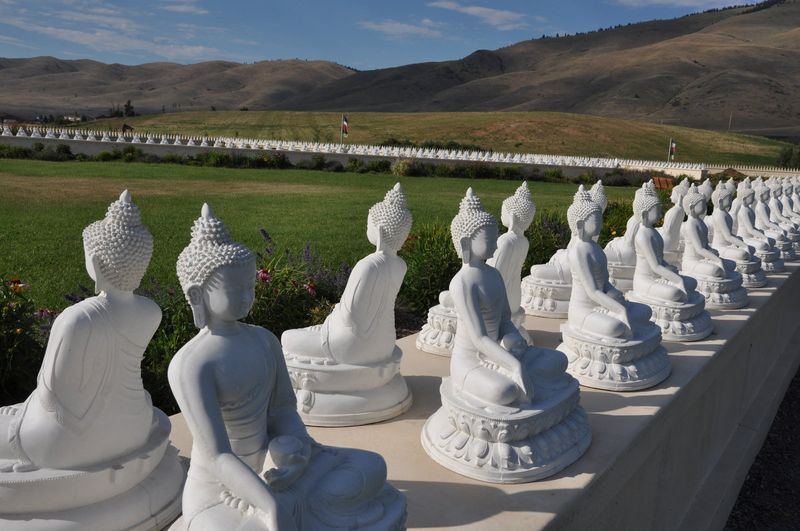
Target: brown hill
x=49, y=85
x=696, y=71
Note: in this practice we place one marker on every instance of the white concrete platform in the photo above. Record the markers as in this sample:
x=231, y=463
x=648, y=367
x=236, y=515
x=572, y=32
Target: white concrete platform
x=671, y=457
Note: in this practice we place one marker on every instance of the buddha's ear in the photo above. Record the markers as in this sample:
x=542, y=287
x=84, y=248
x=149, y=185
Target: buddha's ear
x=98, y=274
x=466, y=249
x=194, y=294
x=381, y=237
x=579, y=224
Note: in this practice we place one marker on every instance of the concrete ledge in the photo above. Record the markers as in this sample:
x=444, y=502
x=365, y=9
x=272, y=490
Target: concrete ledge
x=671, y=457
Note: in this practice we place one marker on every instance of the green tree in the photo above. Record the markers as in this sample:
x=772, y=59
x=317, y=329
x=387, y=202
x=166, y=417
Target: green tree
x=128, y=109
x=785, y=157
x=796, y=158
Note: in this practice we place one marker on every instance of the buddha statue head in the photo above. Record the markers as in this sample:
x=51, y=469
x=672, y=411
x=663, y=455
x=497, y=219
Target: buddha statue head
x=745, y=193
x=706, y=189
x=474, y=231
x=722, y=197
x=118, y=247
x=788, y=187
x=598, y=194
x=679, y=191
x=694, y=203
x=389, y=221
x=518, y=210
x=217, y=275
x=775, y=188
x=585, y=217
x=647, y=204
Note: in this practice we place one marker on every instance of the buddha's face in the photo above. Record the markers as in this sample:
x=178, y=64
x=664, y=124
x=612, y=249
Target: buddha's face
x=698, y=209
x=776, y=192
x=652, y=215
x=764, y=194
x=725, y=203
x=484, y=242
x=506, y=217
x=229, y=294
x=592, y=225
x=749, y=199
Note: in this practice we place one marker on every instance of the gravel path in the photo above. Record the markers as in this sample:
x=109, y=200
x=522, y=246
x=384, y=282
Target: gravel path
x=770, y=496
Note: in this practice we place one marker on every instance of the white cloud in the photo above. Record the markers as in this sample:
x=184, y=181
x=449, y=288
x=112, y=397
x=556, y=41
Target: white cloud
x=5, y=39
x=498, y=18
x=394, y=28
x=187, y=8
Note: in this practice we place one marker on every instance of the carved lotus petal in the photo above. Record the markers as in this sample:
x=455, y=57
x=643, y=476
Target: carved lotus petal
x=480, y=449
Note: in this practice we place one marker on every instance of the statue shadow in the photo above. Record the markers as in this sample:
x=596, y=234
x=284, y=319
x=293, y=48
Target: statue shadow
x=427, y=399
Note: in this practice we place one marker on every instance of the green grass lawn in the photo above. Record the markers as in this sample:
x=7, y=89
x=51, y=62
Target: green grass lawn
x=530, y=132
x=44, y=207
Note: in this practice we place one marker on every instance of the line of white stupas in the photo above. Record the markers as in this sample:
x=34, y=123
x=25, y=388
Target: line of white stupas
x=365, y=150
x=87, y=450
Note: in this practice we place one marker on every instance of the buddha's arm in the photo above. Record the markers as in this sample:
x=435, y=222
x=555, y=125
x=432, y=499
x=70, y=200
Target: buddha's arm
x=467, y=303
x=645, y=245
x=503, y=259
x=283, y=417
x=593, y=291
x=357, y=298
x=723, y=229
x=693, y=239
x=194, y=385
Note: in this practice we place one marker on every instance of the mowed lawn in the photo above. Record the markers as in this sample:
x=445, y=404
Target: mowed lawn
x=44, y=207
x=522, y=132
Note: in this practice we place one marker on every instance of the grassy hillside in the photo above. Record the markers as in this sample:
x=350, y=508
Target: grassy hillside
x=533, y=132
x=44, y=207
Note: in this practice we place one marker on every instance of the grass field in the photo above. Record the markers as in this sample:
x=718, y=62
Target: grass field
x=531, y=132
x=44, y=207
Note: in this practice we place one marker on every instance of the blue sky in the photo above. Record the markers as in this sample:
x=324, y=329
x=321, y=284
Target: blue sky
x=360, y=33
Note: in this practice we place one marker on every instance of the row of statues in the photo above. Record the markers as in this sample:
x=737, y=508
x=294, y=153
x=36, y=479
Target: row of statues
x=88, y=447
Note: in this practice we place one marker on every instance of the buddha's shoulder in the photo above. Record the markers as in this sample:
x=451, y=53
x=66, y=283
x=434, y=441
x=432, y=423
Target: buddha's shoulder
x=81, y=314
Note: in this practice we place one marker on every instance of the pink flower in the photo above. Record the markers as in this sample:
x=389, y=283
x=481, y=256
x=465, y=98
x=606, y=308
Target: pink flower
x=263, y=275
x=311, y=288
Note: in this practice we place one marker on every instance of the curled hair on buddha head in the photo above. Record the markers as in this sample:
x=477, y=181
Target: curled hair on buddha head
x=744, y=190
x=598, y=194
x=644, y=199
x=119, y=244
x=720, y=193
x=581, y=209
x=393, y=217
x=692, y=197
x=521, y=206
x=211, y=248
x=470, y=219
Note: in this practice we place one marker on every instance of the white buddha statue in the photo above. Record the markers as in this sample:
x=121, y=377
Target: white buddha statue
x=795, y=182
x=253, y=465
x=716, y=278
x=87, y=446
x=546, y=291
x=730, y=246
x=346, y=371
x=517, y=212
x=764, y=222
x=706, y=188
x=743, y=217
x=789, y=221
x=678, y=309
x=610, y=343
x=730, y=184
x=511, y=404
x=786, y=201
x=671, y=229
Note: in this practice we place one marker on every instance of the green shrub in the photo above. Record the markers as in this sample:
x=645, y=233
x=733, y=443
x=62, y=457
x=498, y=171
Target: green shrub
x=432, y=262
x=548, y=233
x=21, y=341
x=615, y=220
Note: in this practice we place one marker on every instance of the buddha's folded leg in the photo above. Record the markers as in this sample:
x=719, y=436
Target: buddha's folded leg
x=637, y=312
x=303, y=341
x=602, y=324
x=490, y=386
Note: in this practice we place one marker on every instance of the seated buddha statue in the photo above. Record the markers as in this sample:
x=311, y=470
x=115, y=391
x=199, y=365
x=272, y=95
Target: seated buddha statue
x=671, y=229
x=517, y=212
x=89, y=432
x=787, y=220
x=678, y=309
x=764, y=222
x=730, y=246
x=347, y=371
x=743, y=226
x=787, y=203
x=610, y=343
x=496, y=375
x=253, y=464
x=795, y=182
x=716, y=278
x=546, y=291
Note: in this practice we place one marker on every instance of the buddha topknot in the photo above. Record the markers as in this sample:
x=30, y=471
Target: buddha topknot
x=470, y=219
x=393, y=216
x=121, y=243
x=581, y=208
x=521, y=205
x=692, y=197
x=211, y=247
x=645, y=198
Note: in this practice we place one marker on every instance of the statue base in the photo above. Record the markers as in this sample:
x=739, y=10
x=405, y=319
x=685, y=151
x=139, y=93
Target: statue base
x=437, y=335
x=687, y=321
x=723, y=294
x=621, y=276
x=787, y=251
x=546, y=298
x=510, y=444
x=752, y=274
x=340, y=394
x=616, y=364
x=139, y=491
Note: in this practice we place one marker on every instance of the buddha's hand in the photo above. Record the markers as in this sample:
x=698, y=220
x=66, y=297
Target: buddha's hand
x=9, y=410
x=515, y=344
x=291, y=456
x=623, y=317
x=518, y=377
x=277, y=520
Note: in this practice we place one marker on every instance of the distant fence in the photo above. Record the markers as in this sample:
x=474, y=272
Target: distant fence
x=571, y=165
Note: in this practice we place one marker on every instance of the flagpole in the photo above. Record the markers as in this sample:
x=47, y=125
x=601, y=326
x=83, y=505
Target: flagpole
x=341, y=131
x=669, y=149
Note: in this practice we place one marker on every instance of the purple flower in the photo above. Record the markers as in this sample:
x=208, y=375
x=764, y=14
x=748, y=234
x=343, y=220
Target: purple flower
x=263, y=275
